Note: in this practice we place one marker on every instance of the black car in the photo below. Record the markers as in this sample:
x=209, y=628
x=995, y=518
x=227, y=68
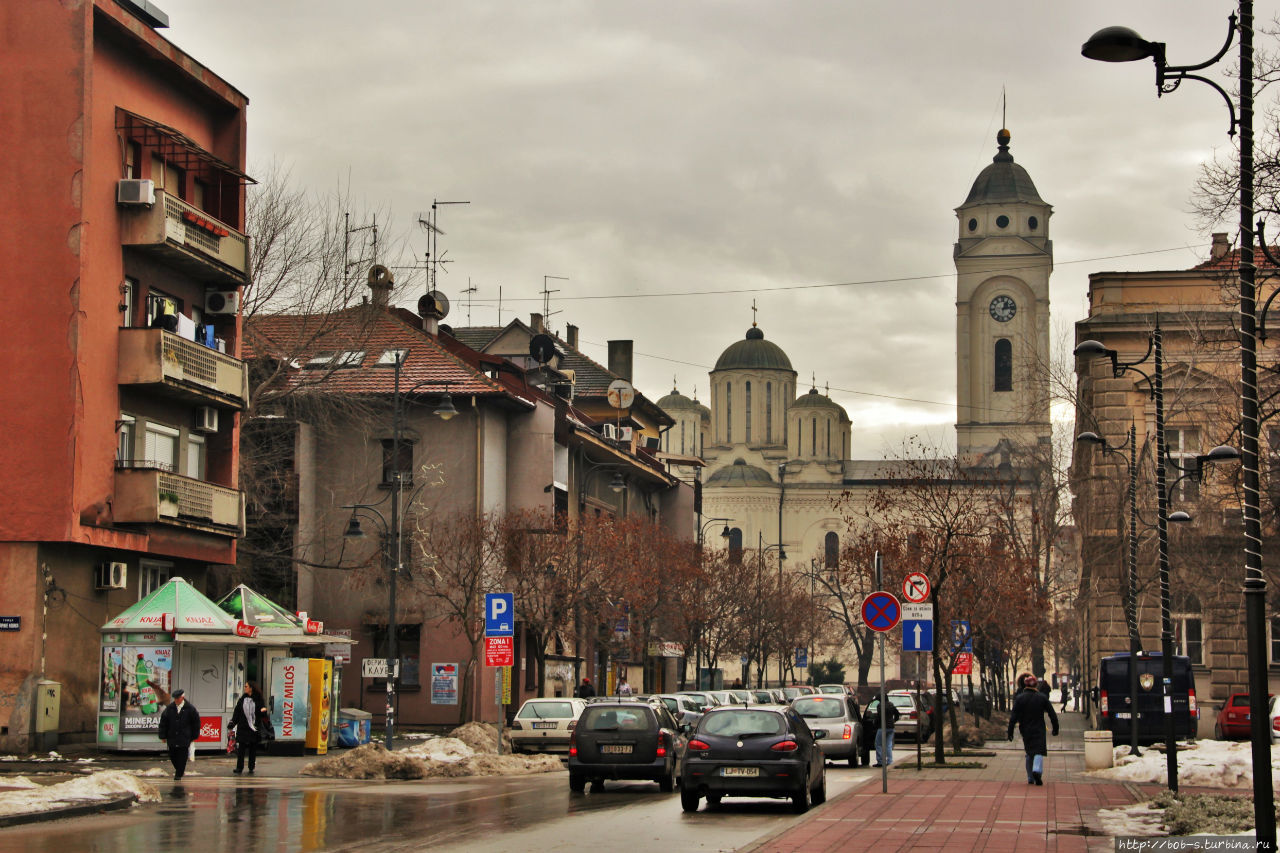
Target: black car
x=754, y=751
x=625, y=740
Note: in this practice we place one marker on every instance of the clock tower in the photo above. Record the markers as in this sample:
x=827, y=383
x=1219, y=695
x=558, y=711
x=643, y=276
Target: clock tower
x=1003, y=260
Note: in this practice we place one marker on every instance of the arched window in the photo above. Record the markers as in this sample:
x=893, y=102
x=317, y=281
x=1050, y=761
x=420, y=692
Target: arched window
x=831, y=548
x=682, y=450
x=1004, y=365
x=735, y=545
x=768, y=413
x=746, y=412
x=828, y=438
x=813, y=443
x=728, y=413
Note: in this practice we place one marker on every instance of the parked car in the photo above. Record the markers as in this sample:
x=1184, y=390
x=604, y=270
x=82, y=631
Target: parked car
x=764, y=697
x=626, y=740
x=841, y=717
x=911, y=714
x=745, y=697
x=1114, y=708
x=760, y=751
x=682, y=707
x=833, y=688
x=789, y=693
x=727, y=697
x=704, y=699
x=1233, y=722
x=545, y=725
x=1273, y=713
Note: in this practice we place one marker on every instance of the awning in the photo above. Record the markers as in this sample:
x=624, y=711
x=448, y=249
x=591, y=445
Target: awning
x=263, y=639
x=222, y=640
x=176, y=147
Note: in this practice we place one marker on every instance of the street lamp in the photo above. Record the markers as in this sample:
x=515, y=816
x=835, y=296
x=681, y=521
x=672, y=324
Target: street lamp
x=724, y=534
x=391, y=527
x=1118, y=45
x=782, y=555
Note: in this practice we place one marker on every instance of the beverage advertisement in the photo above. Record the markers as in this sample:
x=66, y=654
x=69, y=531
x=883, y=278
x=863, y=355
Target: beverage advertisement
x=109, y=690
x=288, y=701
x=321, y=696
x=145, y=669
x=444, y=684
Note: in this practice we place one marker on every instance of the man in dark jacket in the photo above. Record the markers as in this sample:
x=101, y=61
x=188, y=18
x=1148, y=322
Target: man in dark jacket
x=179, y=728
x=882, y=739
x=585, y=689
x=1029, y=708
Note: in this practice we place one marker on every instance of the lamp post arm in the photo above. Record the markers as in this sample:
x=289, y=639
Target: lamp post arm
x=1169, y=77
x=1275, y=262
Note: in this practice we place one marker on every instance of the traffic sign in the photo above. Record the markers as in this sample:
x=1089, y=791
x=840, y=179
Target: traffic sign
x=802, y=656
x=963, y=664
x=917, y=611
x=915, y=587
x=499, y=651
x=917, y=635
x=881, y=611
x=961, y=636
x=499, y=614
x=376, y=668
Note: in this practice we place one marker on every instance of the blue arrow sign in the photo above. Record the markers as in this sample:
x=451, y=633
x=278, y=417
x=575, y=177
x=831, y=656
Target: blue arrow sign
x=917, y=635
x=499, y=614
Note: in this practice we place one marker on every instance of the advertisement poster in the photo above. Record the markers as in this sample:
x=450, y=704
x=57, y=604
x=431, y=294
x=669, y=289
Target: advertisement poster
x=108, y=730
x=290, y=685
x=141, y=705
x=444, y=684
x=109, y=691
x=235, y=676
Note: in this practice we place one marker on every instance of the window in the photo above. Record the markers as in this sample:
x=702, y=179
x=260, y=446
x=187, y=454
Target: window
x=152, y=576
x=735, y=545
x=828, y=438
x=124, y=441
x=128, y=290
x=350, y=358
x=1182, y=446
x=768, y=413
x=681, y=438
x=746, y=412
x=1004, y=365
x=408, y=642
x=404, y=464
x=161, y=447
x=728, y=413
x=813, y=444
x=195, y=457
x=1188, y=636
x=390, y=356
x=132, y=156
x=831, y=551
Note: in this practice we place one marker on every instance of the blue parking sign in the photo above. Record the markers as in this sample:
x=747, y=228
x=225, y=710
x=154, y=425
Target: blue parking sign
x=961, y=636
x=499, y=614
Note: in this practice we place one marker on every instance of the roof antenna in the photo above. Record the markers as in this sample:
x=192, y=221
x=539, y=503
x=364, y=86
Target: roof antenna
x=546, y=298
x=470, y=290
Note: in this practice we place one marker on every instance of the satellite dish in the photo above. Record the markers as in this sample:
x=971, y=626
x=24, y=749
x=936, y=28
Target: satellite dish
x=433, y=304
x=621, y=394
x=542, y=348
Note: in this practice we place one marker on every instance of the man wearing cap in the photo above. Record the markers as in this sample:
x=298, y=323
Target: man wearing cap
x=1029, y=708
x=179, y=728
x=585, y=689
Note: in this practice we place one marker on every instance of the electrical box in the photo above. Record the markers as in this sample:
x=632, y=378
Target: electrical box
x=48, y=705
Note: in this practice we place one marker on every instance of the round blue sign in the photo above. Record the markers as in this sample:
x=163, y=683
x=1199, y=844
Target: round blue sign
x=881, y=611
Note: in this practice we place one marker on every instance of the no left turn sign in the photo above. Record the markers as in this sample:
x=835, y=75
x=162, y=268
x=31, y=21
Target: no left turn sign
x=915, y=587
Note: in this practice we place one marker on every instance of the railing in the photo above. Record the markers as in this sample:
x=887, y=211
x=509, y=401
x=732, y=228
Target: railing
x=154, y=356
x=151, y=495
x=172, y=224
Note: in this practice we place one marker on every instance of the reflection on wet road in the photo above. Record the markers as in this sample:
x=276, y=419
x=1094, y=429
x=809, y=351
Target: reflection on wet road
x=486, y=814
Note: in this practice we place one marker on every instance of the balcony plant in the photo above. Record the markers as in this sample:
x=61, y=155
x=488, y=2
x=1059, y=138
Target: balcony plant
x=168, y=501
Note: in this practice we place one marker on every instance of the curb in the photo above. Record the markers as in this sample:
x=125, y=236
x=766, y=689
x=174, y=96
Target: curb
x=81, y=810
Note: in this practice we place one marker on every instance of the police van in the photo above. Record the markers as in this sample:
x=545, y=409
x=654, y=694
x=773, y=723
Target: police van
x=1116, y=708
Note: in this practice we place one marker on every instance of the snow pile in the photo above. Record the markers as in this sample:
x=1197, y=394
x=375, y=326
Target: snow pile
x=52, y=756
x=447, y=749
x=19, y=782
x=435, y=758
x=481, y=737
x=1204, y=763
x=99, y=787
x=1142, y=819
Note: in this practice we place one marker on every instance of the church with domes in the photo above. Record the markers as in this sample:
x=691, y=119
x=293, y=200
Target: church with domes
x=777, y=458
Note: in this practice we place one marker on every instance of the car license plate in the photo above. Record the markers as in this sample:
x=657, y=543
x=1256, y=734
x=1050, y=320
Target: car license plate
x=740, y=771
x=1122, y=715
x=616, y=749
x=544, y=725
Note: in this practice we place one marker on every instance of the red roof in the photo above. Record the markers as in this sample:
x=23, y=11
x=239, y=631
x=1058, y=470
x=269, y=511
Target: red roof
x=1231, y=260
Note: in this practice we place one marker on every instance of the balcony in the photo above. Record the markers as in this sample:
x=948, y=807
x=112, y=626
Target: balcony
x=152, y=496
x=188, y=239
x=181, y=368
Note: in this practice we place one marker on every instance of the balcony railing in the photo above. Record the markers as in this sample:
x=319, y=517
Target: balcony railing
x=188, y=369
x=153, y=496
x=188, y=238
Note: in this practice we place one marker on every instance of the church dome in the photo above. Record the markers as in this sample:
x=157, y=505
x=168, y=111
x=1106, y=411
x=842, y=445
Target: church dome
x=740, y=474
x=1004, y=181
x=676, y=401
x=753, y=353
x=816, y=400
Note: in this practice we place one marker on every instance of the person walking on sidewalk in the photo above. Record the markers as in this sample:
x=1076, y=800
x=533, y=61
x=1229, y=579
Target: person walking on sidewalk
x=883, y=738
x=246, y=722
x=179, y=729
x=1029, y=708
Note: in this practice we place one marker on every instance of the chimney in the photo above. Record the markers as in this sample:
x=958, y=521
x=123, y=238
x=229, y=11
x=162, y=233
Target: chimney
x=1220, y=247
x=535, y=323
x=620, y=359
x=381, y=281
x=571, y=335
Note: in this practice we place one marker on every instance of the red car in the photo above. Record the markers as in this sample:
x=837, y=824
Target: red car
x=1233, y=718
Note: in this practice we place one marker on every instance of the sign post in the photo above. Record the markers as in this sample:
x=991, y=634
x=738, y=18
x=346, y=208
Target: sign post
x=881, y=612
x=499, y=648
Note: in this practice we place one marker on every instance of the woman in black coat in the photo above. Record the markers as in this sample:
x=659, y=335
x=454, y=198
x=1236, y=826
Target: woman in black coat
x=1029, y=708
x=247, y=721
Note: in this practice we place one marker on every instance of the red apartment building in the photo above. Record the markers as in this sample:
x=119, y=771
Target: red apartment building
x=120, y=385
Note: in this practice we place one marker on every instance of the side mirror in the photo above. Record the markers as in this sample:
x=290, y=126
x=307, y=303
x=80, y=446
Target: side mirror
x=685, y=728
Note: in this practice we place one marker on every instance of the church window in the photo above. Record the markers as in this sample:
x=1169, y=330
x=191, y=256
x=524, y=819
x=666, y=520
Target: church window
x=831, y=549
x=1004, y=365
x=813, y=443
x=768, y=413
x=746, y=411
x=735, y=545
x=973, y=225
x=828, y=438
x=728, y=413
x=1033, y=223
x=1002, y=221
x=682, y=437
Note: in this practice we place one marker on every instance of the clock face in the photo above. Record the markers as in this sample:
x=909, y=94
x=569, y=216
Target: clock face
x=1003, y=308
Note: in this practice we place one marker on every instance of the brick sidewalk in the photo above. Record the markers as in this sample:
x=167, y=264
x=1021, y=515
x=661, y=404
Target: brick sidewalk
x=959, y=810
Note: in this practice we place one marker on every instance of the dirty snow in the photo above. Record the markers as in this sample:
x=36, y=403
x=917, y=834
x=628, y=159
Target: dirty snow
x=52, y=756
x=469, y=750
x=103, y=786
x=1202, y=763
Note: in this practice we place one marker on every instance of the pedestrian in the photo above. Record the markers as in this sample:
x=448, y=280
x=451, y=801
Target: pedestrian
x=883, y=738
x=247, y=725
x=624, y=689
x=585, y=689
x=1029, y=708
x=1066, y=696
x=179, y=729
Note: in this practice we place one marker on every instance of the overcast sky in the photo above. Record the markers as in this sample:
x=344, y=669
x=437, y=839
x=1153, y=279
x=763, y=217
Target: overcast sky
x=808, y=155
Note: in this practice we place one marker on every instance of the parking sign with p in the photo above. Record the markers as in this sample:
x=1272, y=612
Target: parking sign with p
x=499, y=614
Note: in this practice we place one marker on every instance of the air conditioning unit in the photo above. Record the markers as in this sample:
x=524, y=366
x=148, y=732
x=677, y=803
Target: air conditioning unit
x=111, y=575
x=609, y=431
x=206, y=419
x=136, y=192
x=624, y=434
x=222, y=302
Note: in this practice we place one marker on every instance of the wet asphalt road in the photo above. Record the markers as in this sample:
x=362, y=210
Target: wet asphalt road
x=485, y=815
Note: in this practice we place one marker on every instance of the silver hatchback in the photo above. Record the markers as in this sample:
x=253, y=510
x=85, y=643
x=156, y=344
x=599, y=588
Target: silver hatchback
x=841, y=719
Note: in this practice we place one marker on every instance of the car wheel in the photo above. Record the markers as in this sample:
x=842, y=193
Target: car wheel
x=577, y=783
x=801, y=800
x=853, y=758
x=667, y=781
x=820, y=792
x=1217, y=732
x=689, y=799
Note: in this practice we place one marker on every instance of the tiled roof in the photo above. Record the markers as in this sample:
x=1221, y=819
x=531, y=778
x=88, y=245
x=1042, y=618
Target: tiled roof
x=1231, y=260
x=356, y=340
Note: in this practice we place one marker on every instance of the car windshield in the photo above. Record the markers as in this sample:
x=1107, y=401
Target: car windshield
x=742, y=723
x=763, y=696
x=830, y=688
x=818, y=706
x=671, y=702
x=546, y=711
x=614, y=719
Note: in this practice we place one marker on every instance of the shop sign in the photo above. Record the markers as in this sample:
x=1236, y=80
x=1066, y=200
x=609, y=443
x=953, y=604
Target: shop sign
x=146, y=638
x=210, y=730
x=10, y=623
x=340, y=652
x=666, y=650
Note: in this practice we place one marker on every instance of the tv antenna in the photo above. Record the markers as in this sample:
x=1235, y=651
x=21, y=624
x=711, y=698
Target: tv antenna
x=347, y=263
x=470, y=289
x=430, y=222
x=546, y=296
